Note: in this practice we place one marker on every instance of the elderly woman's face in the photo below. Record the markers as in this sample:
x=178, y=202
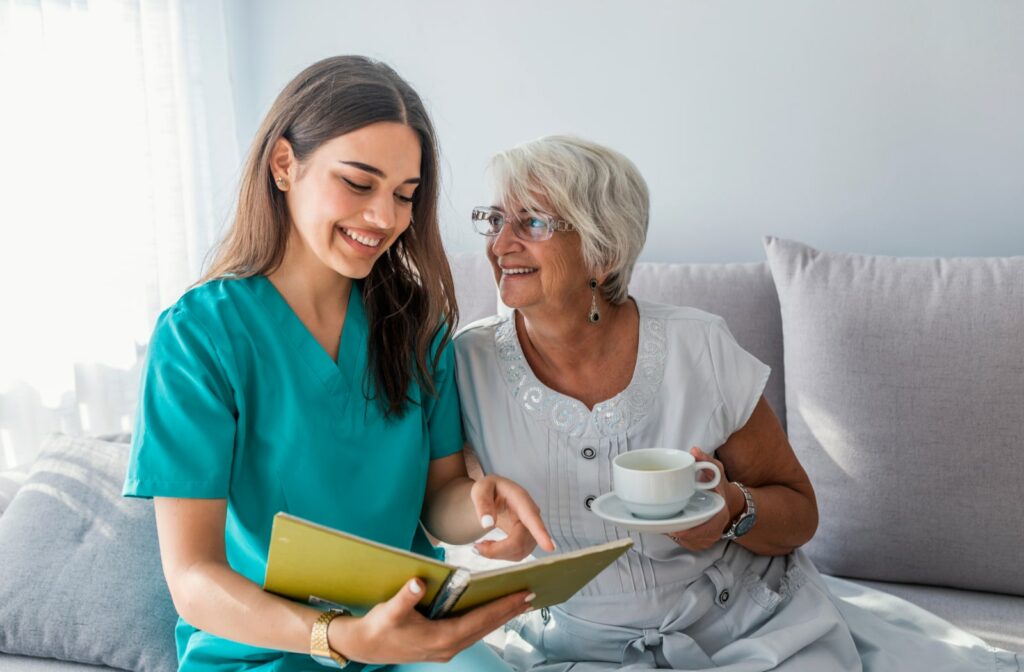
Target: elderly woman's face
x=549, y=273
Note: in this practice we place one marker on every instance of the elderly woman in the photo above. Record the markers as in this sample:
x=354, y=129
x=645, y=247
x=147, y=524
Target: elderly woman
x=581, y=372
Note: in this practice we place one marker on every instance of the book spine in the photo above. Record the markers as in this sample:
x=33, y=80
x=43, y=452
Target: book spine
x=449, y=593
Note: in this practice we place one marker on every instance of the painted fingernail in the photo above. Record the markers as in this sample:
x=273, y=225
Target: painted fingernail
x=530, y=598
x=487, y=522
x=414, y=586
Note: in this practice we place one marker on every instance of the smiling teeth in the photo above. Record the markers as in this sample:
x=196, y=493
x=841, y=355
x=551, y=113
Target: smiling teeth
x=369, y=242
x=517, y=271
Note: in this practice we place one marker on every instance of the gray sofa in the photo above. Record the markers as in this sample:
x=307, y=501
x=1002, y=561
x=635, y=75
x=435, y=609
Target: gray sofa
x=900, y=383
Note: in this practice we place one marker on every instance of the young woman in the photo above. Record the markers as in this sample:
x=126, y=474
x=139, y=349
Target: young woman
x=311, y=371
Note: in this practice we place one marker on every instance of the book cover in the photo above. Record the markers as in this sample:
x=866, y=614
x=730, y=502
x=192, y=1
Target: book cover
x=320, y=565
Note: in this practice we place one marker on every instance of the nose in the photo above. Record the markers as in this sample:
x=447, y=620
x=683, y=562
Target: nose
x=381, y=212
x=505, y=241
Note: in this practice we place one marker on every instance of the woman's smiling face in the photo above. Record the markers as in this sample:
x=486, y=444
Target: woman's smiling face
x=352, y=197
x=538, y=274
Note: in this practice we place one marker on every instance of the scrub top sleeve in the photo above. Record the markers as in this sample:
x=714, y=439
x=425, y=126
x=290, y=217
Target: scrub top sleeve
x=444, y=418
x=740, y=377
x=185, y=422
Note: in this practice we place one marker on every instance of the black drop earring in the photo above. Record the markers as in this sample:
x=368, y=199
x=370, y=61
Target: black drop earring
x=595, y=315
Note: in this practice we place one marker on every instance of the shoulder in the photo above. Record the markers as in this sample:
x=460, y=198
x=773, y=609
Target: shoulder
x=479, y=335
x=681, y=317
x=213, y=297
x=202, y=312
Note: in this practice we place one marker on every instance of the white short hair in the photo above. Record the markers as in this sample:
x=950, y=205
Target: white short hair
x=596, y=189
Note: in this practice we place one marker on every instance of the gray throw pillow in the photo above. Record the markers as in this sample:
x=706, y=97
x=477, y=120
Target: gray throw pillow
x=10, y=483
x=905, y=403
x=80, y=575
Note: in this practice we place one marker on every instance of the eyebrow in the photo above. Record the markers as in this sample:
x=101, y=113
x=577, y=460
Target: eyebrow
x=376, y=171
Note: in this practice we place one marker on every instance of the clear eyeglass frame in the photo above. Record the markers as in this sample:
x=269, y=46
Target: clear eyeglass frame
x=532, y=226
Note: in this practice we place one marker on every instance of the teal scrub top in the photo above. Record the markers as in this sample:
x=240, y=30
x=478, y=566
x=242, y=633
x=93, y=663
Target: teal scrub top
x=240, y=402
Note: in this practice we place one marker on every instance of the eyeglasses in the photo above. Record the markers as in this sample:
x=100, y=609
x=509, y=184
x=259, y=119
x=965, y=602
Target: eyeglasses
x=530, y=226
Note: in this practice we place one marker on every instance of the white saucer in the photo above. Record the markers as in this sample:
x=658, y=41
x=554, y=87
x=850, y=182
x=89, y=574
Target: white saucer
x=702, y=507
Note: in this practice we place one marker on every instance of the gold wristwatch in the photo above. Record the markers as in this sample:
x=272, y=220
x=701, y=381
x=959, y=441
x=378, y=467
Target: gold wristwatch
x=319, y=647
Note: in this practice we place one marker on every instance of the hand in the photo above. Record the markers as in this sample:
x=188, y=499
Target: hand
x=394, y=632
x=516, y=514
x=707, y=534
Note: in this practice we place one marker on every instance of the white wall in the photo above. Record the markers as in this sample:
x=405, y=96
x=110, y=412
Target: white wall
x=883, y=126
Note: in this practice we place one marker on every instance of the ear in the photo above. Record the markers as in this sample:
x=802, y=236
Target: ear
x=282, y=160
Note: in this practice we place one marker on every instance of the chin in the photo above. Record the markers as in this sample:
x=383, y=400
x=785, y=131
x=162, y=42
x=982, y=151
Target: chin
x=356, y=269
x=513, y=300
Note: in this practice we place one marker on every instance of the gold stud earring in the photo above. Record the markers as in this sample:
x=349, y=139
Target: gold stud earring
x=282, y=183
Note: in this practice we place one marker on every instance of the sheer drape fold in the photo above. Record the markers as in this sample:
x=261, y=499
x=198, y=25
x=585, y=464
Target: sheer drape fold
x=119, y=164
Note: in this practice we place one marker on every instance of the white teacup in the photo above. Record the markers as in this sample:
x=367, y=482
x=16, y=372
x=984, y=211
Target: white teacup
x=658, y=482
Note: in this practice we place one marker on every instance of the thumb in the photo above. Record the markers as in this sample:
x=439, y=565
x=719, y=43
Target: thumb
x=699, y=454
x=406, y=599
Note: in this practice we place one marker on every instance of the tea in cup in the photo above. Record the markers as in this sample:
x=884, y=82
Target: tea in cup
x=658, y=482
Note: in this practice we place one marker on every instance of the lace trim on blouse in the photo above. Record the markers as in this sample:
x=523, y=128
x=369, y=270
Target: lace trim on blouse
x=570, y=416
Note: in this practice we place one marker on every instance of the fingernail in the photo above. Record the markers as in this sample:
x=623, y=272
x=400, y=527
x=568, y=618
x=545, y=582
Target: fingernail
x=530, y=598
x=476, y=551
x=487, y=522
x=414, y=586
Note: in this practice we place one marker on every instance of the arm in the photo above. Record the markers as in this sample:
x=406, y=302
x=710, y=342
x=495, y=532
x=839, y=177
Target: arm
x=458, y=510
x=211, y=596
x=759, y=456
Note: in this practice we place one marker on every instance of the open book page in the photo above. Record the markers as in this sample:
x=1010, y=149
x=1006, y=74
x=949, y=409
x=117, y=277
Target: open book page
x=320, y=565
x=554, y=578
x=313, y=561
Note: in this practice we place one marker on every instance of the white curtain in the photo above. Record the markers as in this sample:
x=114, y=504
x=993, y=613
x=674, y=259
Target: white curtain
x=119, y=163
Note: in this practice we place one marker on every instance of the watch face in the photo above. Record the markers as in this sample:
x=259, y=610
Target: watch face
x=744, y=524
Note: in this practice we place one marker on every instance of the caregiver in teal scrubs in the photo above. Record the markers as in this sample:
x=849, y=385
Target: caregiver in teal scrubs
x=311, y=371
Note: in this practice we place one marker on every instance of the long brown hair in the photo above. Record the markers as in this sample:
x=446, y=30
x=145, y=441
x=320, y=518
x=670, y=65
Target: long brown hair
x=409, y=295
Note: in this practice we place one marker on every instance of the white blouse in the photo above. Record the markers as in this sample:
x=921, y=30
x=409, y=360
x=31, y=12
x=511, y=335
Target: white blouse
x=693, y=385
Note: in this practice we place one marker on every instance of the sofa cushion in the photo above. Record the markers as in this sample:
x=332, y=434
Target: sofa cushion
x=997, y=619
x=475, y=290
x=743, y=294
x=80, y=576
x=28, y=664
x=10, y=482
x=905, y=403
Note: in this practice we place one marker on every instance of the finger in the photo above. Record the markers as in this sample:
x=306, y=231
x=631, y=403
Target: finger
x=691, y=543
x=516, y=546
x=526, y=510
x=405, y=600
x=705, y=475
x=483, y=494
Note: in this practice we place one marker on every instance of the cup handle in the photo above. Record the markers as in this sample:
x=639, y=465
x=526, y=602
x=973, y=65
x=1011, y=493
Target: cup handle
x=700, y=485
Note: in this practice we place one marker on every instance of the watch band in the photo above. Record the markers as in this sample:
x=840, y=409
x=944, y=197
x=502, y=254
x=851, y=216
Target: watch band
x=319, y=646
x=747, y=517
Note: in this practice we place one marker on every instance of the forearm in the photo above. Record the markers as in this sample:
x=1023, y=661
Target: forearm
x=449, y=515
x=786, y=518
x=216, y=599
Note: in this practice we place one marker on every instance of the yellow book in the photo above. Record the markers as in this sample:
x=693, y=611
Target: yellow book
x=321, y=565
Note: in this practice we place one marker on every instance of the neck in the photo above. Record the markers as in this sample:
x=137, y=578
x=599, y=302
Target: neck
x=563, y=343
x=307, y=284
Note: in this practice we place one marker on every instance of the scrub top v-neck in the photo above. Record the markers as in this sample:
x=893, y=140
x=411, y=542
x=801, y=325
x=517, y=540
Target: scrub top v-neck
x=240, y=402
